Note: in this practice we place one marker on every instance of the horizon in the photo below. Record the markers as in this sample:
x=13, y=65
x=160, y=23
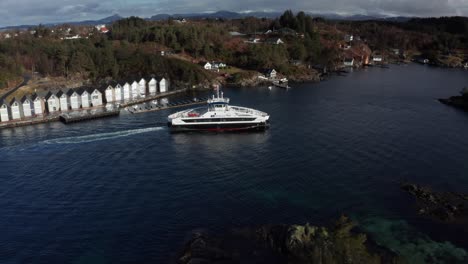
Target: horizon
x=199, y=14
x=27, y=12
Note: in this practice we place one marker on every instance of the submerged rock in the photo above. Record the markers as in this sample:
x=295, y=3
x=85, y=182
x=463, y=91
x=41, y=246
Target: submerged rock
x=294, y=244
x=446, y=206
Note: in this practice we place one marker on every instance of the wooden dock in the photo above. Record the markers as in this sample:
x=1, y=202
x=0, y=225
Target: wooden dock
x=182, y=103
x=88, y=115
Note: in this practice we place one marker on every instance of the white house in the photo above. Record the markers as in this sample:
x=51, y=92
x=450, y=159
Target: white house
x=75, y=100
x=377, y=58
x=271, y=73
x=207, y=66
x=53, y=103
x=85, y=99
x=142, y=88
x=163, y=85
x=4, y=113
x=348, y=62
x=28, y=106
x=153, y=86
x=96, y=98
x=39, y=105
x=110, y=94
x=135, y=90
x=348, y=38
x=16, y=109
x=118, y=93
x=275, y=41
x=65, y=100
x=127, y=93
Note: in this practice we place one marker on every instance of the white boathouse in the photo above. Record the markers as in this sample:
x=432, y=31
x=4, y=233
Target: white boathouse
x=75, y=100
x=28, y=106
x=163, y=85
x=16, y=109
x=96, y=98
x=118, y=93
x=85, y=99
x=135, y=90
x=110, y=94
x=153, y=86
x=39, y=105
x=53, y=103
x=142, y=87
x=4, y=112
x=127, y=93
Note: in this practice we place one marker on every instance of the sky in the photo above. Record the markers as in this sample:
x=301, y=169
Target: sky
x=18, y=12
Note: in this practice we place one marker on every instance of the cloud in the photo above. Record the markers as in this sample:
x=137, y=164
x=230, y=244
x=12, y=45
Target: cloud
x=15, y=12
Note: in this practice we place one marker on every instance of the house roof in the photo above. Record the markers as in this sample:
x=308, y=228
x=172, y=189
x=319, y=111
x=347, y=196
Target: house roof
x=349, y=59
x=13, y=100
x=25, y=97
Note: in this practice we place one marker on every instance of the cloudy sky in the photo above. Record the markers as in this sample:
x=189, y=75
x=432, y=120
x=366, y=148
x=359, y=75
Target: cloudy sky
x=16, y=12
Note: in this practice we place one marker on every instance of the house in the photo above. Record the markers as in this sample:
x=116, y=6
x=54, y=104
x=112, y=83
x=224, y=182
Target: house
x=118, y=93
x=4, y=112
x=348, y=62
x=271, y=73
x=75, y=100
x=28, y=106
x=53, y=102
x=134, y=90
x=274, y=41
x=348, y=38
x=153, y=86
x=96, y=98
x=65, y=99
x=218, y=65
x=16, y=109
x=110, y=94
x=208, y=66
x=396, y=51
x=85, y=98
x=163, y=85
x=127, y=92
x=296, y=62
x=254, y=40
x=377, y=58
x=39, y=104
x=236, y=34
x=142, y=87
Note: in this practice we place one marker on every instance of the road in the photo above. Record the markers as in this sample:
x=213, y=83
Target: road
x=26, y=79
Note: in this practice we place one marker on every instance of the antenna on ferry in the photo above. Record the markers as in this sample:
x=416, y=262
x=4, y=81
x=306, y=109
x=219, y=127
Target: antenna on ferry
x=217, y=90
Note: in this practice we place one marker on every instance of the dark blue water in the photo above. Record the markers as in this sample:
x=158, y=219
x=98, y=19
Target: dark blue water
x=124, y=190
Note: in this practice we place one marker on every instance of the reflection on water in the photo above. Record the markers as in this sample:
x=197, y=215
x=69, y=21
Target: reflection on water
x=340, y=146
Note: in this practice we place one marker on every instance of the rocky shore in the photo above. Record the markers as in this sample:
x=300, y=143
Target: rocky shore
x=294, y=244
x=460, y=102
x=445, y=206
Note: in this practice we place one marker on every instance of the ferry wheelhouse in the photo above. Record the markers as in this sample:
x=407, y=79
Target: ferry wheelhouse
x=219, y=116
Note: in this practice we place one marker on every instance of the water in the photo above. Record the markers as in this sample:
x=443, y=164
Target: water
x=124, y=190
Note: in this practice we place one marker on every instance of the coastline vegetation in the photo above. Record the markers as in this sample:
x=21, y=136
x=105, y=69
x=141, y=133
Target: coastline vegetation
x=133, y=46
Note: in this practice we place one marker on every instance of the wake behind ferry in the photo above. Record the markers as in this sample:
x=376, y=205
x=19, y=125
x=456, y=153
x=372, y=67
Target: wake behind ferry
x=219, y=116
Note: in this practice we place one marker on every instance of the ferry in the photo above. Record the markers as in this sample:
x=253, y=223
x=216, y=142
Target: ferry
x=219, y=116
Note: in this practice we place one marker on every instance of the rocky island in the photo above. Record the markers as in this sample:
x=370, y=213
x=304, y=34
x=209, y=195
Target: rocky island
x=460, y=101
x=340, y=243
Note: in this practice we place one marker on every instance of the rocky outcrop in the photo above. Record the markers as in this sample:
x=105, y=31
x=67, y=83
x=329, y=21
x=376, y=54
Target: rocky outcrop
x=445, y=206
x=294, y=244
x=460, y=102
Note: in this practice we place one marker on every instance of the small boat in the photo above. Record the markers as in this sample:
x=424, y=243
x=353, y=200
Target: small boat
x=270, y=87
x=219, y=116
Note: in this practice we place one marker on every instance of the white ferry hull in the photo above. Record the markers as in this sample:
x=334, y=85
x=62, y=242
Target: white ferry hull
x=220, y=127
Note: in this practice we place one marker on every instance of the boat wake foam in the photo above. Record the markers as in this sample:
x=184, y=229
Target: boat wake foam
x=101, y=136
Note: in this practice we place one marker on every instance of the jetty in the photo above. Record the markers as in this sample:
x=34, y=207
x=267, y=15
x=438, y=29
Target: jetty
x=151, y=107
x=80, y=116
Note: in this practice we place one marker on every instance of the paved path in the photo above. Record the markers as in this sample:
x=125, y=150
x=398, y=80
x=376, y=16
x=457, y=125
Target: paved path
x=26, y=79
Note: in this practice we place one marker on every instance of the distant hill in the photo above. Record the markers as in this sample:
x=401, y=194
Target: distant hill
x=220, y=15
x=106, y=20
